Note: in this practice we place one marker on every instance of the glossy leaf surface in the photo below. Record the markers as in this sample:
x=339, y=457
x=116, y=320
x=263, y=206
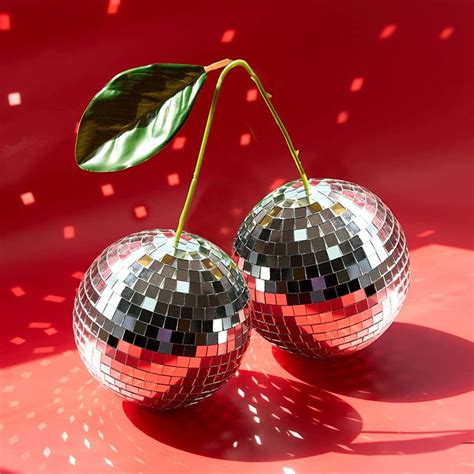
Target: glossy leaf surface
x=136, y=114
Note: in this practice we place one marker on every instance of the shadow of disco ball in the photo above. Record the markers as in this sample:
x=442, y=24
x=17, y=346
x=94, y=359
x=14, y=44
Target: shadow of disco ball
x=327, y=269
x=160, y=327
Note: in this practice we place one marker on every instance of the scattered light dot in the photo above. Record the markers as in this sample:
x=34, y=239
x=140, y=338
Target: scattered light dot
x=68, y=232
x=173, y=179
x=72, y=460
x=64, y=436
x=112, y=9
x=5, y=23
x=43, y=350
x=426, y=233
x=228, y=36
x=446, y=33
x=288, y=470
x=78, y=275
x=276, y=183
x=87, y=443
x=107, y=189
x=356, y=84
x=50, y=331
x=295, y=434
x=17, y=340
x=13, y=440
x=14, y=98
x=109, y=462
x=140, y=212
x=46, y=452
x=258, y=440
x=224, y=231
x=245, y=139
x=252, y=95
x=76, y=130
x=18, y=291
x=27, y=198
x=178, y=143
x=343, y=117
x=8, y=388
x=388, y=31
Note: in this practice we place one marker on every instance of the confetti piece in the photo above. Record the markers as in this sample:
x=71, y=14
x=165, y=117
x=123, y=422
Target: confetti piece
x=173, y=179
x=343, y=117
x=17, y=340
x=14, y=98
x=5, y=23
x=252, y=95
x=228, y=36
x=27, y=198
x=113, y=7
x=179, y=143
x=68, y=232
x=388, y=31
x=140, y=212
x=18, y=291
x=446, y=33
x=356, y=84
x=245, y=139
x=54, y=299
x=107, y=189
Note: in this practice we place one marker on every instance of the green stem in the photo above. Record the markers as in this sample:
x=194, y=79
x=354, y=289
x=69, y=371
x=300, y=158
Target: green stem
x=266, y=97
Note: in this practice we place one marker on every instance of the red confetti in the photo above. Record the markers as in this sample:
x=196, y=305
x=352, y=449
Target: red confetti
x=54, y=299
x=112, y=9
x=356, y=84
x=27, y=198
x=69, y=232
x=446, y=33
x=388, y=31
x=107, y=189
x=228, y=36
x=18, y=291
x=17, y=340
x=245, y=139
x=179, y=143
x=5, y=23
x=343, y=117
x=140, y=212
x=252, y=95
x=173, y=179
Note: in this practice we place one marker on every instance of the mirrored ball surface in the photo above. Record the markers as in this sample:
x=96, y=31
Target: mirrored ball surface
x=158, y=327
x=327, y=270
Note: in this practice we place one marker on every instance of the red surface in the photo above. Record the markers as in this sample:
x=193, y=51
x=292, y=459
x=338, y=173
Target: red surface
x=379, y=93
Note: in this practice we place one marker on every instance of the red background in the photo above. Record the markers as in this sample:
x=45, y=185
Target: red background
x=403, y=129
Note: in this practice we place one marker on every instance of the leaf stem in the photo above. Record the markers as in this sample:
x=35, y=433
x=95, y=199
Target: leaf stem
x=266, y=98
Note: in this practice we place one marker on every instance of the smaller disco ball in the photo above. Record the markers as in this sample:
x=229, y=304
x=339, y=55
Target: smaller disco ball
x=328, y=272
x=162, y=328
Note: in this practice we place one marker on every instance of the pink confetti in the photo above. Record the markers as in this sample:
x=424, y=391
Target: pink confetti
x=173, y=179
x=179, y=143
x=27, y=198
x=252, y=95
x=356, y=84
x=54, y=299
x=18, y=291
x=140, y=212
x=245, y=139
x=343, y=117
x=107, y=189
x=388, y=31
x=228, y=36
x=69, y=232
x=14, y=98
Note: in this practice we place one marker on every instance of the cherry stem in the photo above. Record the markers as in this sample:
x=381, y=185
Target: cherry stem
x=229, y=65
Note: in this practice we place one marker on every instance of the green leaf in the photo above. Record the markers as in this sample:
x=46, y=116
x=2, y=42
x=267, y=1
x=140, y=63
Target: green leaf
x=136, y=114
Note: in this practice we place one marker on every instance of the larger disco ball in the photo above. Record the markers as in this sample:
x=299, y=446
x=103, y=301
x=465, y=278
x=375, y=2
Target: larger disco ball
x=160, y=327
x=327, y=270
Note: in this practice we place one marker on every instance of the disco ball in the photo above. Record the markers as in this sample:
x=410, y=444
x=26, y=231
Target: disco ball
x=327, y=270
x=160, y=327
